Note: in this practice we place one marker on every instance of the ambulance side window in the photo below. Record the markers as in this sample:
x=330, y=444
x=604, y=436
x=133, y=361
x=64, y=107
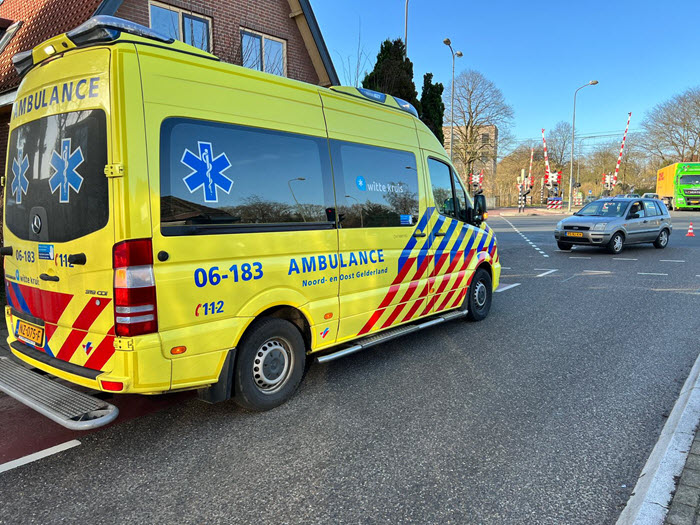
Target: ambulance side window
x=225, y=178
x=441, y=182
x=375, y=187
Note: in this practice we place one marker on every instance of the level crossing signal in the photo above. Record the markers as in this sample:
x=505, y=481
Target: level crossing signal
x=609, y=180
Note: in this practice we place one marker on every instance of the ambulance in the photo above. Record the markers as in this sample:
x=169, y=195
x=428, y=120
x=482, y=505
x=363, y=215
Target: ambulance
x=173, y=223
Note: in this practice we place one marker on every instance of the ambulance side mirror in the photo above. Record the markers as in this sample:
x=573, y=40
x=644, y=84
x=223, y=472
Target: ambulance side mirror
x=479, y=209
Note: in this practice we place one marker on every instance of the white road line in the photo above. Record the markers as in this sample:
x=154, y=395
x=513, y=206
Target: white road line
x=522, y=235
x=623, y=259
x=38, y=455
x=644, y=273
x=596, y=271
x=569, y=278
x=671, y=260
x=502, y=288
x=506, y=268
x=545, y=273
x=573, y=257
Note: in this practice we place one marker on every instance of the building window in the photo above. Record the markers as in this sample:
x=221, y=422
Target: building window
x=485, y=138
x=7, y=34
x=181, y=25
x=263, y=52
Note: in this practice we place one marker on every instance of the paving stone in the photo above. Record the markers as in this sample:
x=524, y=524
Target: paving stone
x=691, y=477
x=693, y=461
x=680, y=515
x=695, y=449
x=687, y=495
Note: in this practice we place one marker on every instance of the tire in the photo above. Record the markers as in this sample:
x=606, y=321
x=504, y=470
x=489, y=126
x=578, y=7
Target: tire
x=662, y=240
x=479, y=296
x=564, y=246
x=616, y=243
x=269, y=366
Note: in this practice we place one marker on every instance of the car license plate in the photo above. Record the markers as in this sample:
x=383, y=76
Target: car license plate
x=29, y=332
x=574, y=234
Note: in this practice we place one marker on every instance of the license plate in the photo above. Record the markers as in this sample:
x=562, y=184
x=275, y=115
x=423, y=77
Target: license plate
x=574, y=234
x=30, y=332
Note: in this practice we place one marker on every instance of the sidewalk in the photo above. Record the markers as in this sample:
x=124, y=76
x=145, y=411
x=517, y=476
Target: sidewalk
x=684, y=508
x=529, y=211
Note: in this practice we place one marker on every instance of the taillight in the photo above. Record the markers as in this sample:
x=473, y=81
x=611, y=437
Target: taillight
x=135, y=311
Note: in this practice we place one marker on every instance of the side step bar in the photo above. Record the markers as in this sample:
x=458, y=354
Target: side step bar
x=65, y=406
x=387, y=335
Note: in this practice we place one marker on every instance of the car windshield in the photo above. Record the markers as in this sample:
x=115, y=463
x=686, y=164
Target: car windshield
x=603, y=209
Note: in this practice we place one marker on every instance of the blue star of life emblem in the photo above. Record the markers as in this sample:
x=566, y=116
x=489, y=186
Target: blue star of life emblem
x=207, y=172
x=65, y=163
x=20, y=183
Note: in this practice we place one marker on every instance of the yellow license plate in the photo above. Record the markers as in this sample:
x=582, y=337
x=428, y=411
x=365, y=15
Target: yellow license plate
x=574, y=234
x=30, y=332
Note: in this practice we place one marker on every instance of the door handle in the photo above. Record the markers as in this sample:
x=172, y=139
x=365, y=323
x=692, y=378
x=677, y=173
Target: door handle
x=47, y=277
x=440, y=234
x=77, y=258
x=419, y=234
x=645, y=221
x=6, y=250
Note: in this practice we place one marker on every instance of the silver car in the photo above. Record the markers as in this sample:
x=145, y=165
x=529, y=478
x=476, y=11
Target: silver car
x=614, y=222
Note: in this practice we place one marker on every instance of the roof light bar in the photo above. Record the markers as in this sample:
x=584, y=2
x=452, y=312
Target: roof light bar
x=23, y=62
x=406, y=106
x=103, y=28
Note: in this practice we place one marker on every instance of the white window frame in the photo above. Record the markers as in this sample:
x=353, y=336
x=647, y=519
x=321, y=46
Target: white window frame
x=264, y=36
x=181, y=12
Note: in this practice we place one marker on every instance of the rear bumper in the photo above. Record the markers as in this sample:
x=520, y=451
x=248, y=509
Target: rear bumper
x=589, y=237
x=142, y=369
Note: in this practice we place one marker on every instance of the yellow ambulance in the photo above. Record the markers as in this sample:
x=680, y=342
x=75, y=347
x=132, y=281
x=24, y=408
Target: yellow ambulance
x=173, y=222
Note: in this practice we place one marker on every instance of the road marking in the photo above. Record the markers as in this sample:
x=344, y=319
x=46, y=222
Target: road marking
x=623, y=259
x=547, y=272
x=524, y=237
x=569, y=278
x=671, y=260
x=596, y=271
x=644, y=273
x=573, y=257
x=502, y=288
x=506, y=268
x=38, y=455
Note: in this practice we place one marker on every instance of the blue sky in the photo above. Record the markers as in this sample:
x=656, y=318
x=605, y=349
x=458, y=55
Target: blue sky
x=538, y=53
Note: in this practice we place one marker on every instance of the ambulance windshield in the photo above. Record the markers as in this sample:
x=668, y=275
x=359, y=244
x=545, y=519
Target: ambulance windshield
x=56, y=189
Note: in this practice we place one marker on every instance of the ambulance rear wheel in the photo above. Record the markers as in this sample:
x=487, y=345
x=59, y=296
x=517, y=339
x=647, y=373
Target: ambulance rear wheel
x=478, y=300
x=269, y=365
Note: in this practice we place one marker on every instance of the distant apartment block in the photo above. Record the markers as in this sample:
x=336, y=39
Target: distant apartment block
x=480, y=152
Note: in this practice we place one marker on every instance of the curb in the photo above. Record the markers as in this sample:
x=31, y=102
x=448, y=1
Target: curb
x=651, y=496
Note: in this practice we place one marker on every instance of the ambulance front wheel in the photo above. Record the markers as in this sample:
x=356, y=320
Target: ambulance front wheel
x=478, y=300
x=269, y=366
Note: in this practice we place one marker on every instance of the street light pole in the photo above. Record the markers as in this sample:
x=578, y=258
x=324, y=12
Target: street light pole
x=405, y=32
x=448, y=43
x=573, y=137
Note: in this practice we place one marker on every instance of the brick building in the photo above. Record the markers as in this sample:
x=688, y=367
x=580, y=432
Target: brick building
x=480, y=153
x=277, y=36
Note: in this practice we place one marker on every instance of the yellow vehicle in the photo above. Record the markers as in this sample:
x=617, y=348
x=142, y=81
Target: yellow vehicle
x=173, y=222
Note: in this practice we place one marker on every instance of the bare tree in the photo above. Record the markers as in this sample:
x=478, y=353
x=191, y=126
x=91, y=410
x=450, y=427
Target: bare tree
x=478, y=104
x=559, y=145
x=355, y=67
x=672, y=129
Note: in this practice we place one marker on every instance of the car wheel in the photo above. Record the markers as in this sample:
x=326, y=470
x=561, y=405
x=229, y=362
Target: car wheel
x=662, y=240
x=616, y=243
x=564, y=245
x=478, y=300
x=269, y=365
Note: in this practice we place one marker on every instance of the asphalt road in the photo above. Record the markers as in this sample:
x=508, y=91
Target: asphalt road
x=543, y=413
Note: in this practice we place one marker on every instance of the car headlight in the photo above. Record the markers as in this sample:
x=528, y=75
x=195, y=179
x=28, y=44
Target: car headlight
x=559, y=225
x=600, y=226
